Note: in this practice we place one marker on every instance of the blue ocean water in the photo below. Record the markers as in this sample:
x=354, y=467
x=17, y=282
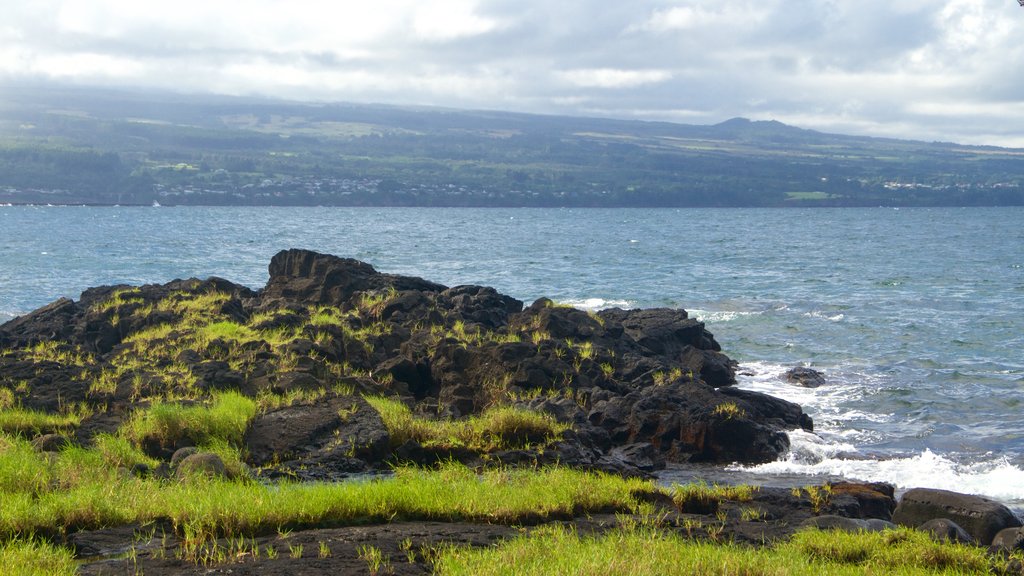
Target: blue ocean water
x=916, y=316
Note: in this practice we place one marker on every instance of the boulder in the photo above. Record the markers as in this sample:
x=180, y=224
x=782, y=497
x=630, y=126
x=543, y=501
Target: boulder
x=201, y=463
x=980, y=517
x=834, y=522
x=50, y=442
x=687, y=422
x=869, y=500
x=1009, y=539
x=337, y=426
x=182, y=453
x=945, y=530
x=806, y=377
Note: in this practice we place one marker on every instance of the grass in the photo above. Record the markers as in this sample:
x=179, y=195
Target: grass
x=699, y=498
x=643, y=549
x=18, y=420
x=729, y=411
x=225, y=420
x=222, y=507
x=500, y=428
x=32, y=557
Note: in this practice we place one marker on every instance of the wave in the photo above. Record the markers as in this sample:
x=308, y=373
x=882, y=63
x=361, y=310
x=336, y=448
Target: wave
x=716, y=316
x=810, y=455
x=840, y=446
x=597, y=303
x=825, y=316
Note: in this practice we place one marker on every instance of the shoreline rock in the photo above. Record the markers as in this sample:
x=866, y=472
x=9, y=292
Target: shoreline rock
x=647, y=384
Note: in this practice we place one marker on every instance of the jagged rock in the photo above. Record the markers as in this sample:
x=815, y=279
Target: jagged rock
x=641, y=455
x=625, y=379
x=686, y=423
x=313, y=278
x=665, y=331
x=806, y=377
x=482, y=305
x=775, y=411
x=980, y=517
x=52, y=322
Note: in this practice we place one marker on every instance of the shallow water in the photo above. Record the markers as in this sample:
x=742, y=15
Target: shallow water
x=916, y=316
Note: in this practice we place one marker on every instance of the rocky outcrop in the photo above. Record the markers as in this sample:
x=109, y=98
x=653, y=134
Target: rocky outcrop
x=806, y=377
x=639, y=387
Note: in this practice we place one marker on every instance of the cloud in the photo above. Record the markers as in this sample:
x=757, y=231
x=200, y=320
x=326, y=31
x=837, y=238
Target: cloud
x=613, y=78
x=915, y=68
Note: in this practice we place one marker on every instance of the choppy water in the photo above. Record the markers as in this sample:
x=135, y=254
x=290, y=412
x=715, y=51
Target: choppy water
x=916, y=316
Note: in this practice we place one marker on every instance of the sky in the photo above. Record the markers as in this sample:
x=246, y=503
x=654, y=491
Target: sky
x=947, y=70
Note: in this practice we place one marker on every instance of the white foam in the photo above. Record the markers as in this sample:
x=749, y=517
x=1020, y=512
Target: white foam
x=714, y=316
x=825, y=316
x=996, y=478
x=836, y=447
x=597, y=303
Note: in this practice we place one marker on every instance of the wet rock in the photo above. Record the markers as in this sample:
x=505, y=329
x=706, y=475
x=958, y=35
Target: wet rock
x=806, y=377
x=980, y=517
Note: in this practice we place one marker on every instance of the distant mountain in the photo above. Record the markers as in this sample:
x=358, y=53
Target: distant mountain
x=66, y=145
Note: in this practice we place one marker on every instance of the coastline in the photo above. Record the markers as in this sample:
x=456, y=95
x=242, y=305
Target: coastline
x=334, y=369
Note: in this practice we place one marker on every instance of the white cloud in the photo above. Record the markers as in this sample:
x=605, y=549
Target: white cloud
x=449, y=20
x=913, y=68
x=613, y=78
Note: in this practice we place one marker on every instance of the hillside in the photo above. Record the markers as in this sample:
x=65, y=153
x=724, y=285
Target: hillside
x=84, y=146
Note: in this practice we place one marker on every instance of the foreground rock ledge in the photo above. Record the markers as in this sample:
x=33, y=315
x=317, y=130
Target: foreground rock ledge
x=639, y=387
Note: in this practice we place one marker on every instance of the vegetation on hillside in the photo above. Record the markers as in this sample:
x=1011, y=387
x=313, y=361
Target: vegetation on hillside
x=84, y=146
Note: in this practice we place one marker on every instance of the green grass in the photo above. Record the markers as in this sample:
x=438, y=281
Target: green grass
x=31, y=557
x=451, y=493
x=18, y=420
x=225, y=419
x=500, y=428
x=643, y=549
x=226, y=330
x=699, y=498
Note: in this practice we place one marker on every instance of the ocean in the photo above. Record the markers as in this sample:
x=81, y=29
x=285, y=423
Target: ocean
x=915, y=316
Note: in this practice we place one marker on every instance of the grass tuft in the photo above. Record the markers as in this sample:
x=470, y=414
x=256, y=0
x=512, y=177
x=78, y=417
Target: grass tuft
x=502, y=428
x=226, y=420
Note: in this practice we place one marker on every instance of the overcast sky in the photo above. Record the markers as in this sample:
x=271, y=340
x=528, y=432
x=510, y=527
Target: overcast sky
x=949, y=70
